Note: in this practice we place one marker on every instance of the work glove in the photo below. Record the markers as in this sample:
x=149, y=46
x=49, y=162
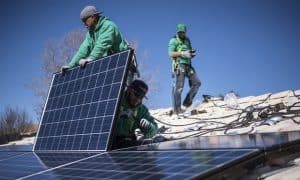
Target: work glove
x=64, y=69
x=139, y=135
x=144, y=123
x=188, y=54
x=83, y=62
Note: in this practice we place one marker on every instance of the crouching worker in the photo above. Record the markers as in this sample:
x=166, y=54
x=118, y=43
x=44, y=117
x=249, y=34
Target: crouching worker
x=133, y=115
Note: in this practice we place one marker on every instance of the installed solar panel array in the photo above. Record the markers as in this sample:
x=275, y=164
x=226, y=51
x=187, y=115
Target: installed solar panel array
x=81, y=106
x=179, y=164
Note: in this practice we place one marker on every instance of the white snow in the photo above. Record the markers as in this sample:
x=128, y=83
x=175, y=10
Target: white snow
x=216, y=113
x=24, y=141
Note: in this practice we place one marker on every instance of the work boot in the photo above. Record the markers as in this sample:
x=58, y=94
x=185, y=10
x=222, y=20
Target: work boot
x=178, y=111
x=187, y=104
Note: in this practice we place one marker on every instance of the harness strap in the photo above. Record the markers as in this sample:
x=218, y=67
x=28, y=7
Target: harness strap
x=176, y=68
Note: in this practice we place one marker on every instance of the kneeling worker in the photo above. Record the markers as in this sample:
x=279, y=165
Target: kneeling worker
x=133, y=115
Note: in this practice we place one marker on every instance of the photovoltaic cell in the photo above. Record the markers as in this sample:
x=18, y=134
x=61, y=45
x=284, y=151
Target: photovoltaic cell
x=81, y=106
x=149, y=164
x=4, y=155
x=28, y=163
x=154, y=162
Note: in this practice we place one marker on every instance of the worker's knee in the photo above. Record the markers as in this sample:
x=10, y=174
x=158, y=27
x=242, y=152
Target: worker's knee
x=197, y=84
x=179, y=90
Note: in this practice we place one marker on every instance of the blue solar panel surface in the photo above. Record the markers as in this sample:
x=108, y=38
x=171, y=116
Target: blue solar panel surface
x=81, y=106
x=7, y=155
x=184, y=164
x=29, y=163
x=134, y=163
x=179, y=164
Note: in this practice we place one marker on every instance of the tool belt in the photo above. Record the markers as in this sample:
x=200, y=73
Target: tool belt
x=178, y=68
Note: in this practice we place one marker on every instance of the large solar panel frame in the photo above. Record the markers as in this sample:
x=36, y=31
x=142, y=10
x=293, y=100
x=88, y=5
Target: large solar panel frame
x=263, y=141
x=182, y=164
x=82, y=104
x=150, y=162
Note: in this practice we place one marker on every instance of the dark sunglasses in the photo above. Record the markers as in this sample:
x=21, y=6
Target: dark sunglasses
x=139, y=94
x=84, y=19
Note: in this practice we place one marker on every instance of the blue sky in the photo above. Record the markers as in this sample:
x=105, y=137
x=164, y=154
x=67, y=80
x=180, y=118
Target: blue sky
x=249, y=46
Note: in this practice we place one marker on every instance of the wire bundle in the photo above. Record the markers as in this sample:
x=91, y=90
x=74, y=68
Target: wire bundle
x=248, y=118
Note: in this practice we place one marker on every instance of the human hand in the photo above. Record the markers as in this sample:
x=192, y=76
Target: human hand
x=186, y=54
x=193, y=53
x=144, y=123
x=83, y=62
x=64, y=69
x=139, y=135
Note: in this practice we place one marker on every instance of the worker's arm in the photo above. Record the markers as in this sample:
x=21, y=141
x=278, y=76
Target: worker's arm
x=175, y=54
x=184, y=54
x=147, y=123
x=172, y=46
x=82, y=52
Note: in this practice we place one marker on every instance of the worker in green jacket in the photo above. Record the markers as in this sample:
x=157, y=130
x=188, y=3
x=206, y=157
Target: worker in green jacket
x=133, y=115
x=181, y=53
x=102, y=39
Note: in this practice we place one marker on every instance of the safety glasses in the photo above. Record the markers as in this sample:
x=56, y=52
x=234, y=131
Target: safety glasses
x=139, y=94
x=85, y=19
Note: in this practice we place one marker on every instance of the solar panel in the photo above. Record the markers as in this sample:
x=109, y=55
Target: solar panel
x=29, y=163
x=4, y=155
x=264, y=141
x=148, y=164
x=81, y=106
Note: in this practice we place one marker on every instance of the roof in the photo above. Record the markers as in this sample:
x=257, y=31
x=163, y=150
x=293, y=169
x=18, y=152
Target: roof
x=216, y=113
x=218, y=116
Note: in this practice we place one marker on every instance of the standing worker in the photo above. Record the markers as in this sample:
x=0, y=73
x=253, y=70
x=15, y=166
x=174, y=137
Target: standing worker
x=102, y=39
x=181, y=52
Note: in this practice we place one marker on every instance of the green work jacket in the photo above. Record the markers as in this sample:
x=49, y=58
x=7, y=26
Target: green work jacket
x=177, y=45
x=126, y=124
x=104, y=40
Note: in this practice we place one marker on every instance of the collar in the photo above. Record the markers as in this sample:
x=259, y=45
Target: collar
x=100, y=22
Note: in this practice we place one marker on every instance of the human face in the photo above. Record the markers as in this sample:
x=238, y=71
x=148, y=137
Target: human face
x=135, y=98
x=90, y=22
x=181, y=34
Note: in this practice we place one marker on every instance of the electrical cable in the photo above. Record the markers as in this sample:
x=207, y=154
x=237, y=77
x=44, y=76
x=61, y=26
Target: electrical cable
x=245, y=119
x=188, y=124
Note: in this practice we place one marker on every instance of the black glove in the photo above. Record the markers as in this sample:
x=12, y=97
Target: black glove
x=193, y=53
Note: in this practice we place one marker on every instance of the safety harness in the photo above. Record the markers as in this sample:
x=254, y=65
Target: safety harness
x=176, y=68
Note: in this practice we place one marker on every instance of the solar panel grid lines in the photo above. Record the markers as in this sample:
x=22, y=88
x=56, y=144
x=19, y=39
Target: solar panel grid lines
x=182, y=164
x=38, y=163
x=81, y=106
x=5, y=155
x=151, y=162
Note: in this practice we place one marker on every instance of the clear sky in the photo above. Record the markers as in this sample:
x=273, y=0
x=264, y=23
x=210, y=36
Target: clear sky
x=249, y=46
